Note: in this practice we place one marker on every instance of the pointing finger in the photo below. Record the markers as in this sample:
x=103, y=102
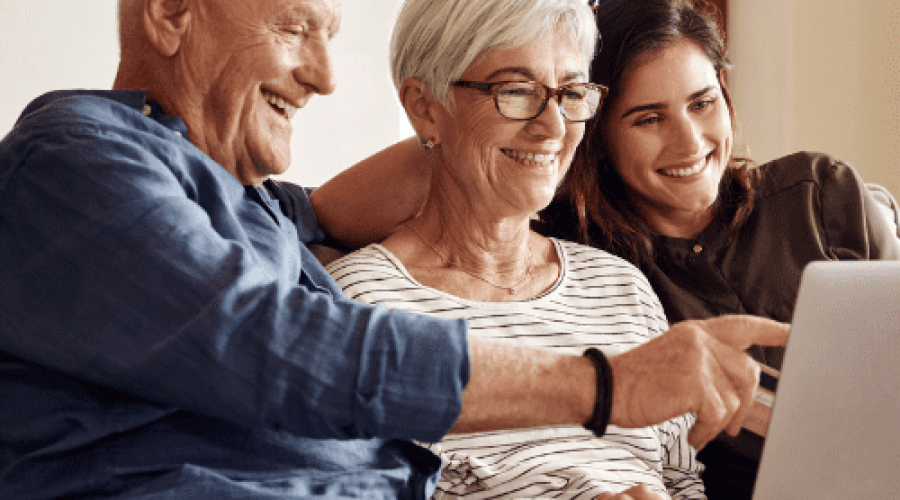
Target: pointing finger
x=741, y=332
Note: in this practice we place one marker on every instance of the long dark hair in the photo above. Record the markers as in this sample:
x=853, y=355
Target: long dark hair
x=592, y=190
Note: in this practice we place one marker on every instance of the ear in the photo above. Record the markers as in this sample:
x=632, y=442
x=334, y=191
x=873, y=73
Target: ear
x=165, y=23
x=422, y=109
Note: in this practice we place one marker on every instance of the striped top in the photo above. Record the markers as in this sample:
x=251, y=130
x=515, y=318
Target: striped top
x=598, y=300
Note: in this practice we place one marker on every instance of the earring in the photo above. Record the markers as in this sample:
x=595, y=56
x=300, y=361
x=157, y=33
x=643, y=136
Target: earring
x=427, y=145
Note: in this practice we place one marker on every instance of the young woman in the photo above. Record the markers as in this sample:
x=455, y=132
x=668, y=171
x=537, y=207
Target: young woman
x=656, y=181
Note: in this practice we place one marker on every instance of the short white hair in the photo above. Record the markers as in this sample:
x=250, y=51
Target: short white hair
x=436, y=40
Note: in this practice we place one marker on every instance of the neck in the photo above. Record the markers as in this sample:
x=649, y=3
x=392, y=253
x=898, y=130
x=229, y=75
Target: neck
x=498, y=247
x=681, y=224
x=157, y=78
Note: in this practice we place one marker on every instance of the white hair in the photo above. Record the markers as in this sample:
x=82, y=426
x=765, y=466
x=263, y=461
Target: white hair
x=436, y=40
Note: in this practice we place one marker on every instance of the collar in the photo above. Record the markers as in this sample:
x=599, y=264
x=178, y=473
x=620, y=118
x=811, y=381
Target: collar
x=155, y=112
x=708, y=243
x=134, y=99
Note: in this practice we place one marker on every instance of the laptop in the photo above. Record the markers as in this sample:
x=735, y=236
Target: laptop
x=835, y=425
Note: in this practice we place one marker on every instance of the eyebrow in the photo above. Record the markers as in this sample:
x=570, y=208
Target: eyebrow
x=659, y=105
x=304, y=15
x=528, y=73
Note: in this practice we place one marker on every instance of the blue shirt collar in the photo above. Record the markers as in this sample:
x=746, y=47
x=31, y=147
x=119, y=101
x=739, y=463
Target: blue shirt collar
x=132, y=98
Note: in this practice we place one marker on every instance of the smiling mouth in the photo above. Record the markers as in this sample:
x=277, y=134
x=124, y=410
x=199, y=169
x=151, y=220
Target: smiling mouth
x=280, y=105
x=684, y=172
x=530, y=159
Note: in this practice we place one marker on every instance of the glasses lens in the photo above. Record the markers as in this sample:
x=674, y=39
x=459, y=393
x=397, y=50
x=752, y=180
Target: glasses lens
x=520, y=100
x=580, y=101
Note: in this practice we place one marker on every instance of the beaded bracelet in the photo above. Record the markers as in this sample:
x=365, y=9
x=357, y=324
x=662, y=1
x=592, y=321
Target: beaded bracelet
x=603, y=403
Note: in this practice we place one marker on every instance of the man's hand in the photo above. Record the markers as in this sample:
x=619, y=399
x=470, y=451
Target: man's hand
x=634, y=493
x=697, y=366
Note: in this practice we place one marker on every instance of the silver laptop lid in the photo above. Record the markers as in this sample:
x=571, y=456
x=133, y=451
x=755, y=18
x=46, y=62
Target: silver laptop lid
x=835, y=428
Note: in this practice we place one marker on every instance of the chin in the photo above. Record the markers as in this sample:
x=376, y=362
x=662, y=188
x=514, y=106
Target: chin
x=272, y=164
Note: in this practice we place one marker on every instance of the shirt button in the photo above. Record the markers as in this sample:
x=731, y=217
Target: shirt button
x=698, y=248
x=147, y=110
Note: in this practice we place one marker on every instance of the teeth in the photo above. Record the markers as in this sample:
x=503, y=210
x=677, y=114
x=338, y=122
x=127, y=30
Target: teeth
x=281, y=104
x=683, y=172
x=529, y=158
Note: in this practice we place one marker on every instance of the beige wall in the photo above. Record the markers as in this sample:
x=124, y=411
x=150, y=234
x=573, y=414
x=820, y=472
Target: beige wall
x=62, y=44
x=820, y=75
x=809, y=74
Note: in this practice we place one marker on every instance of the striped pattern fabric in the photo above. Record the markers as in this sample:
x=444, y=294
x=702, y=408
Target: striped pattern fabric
x=599, y=300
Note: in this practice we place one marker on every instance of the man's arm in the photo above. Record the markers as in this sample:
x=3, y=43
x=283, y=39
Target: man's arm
x=364, y=203
x=134, y=268
x=697, y=366
x=514, y=387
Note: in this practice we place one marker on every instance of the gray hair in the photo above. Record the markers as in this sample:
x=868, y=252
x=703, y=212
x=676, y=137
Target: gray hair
x=436, y=40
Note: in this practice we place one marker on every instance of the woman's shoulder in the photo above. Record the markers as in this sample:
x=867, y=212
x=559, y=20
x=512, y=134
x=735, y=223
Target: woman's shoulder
x=586, y=259
x=366, y=258
x=804, y=167
x=577, y=252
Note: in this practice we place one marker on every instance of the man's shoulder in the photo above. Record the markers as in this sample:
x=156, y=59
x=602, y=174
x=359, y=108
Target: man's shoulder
x=293, y=200
x=80, y=106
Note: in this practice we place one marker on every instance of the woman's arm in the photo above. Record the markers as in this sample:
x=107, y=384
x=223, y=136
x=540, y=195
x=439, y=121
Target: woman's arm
x=363, y=204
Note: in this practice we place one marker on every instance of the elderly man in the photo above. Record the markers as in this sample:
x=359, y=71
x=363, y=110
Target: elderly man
x=166, y=333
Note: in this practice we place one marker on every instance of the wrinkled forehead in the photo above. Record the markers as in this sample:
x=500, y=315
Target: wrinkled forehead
x=316, y=15
x=320, y=14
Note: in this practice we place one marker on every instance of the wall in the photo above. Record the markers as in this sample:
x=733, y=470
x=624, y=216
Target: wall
x=820, y=75
x=56, y=44
x=809, y=74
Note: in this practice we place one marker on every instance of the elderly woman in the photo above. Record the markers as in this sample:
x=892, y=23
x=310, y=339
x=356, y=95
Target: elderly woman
x=498, y=94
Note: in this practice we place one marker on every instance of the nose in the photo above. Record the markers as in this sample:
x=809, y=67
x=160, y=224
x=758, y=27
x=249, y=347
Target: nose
x=687, y=136
x=315, y=69
x=550, y=123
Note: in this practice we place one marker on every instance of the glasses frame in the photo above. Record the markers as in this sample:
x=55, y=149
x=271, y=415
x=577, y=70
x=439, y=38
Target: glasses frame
x=491, y=88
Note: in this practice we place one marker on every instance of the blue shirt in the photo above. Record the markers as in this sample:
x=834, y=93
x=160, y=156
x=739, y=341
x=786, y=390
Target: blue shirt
x=165, y=332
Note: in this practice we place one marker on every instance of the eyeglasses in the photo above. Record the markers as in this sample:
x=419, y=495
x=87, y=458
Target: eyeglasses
x=578, y=102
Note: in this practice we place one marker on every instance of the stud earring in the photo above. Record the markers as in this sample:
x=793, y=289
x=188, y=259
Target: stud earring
x=427, y=145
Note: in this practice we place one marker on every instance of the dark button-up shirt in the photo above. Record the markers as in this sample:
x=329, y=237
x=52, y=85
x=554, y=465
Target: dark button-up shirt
x=165, y=333
x=808, y=207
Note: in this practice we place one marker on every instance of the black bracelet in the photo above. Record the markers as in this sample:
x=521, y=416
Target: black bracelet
x=603, y=404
